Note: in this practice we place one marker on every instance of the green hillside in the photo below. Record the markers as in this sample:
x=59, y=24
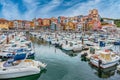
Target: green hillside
x=117, y=22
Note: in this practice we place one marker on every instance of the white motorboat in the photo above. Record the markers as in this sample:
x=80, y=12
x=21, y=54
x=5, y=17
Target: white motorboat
x=104, y=59
x=72, y=46
x=20, y=68
x=68, y=46
x=77, y=47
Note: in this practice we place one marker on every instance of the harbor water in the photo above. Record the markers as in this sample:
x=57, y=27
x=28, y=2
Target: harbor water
x=63, y=65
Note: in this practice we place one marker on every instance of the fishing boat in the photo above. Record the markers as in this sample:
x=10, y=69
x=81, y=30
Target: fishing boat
x=104, y=59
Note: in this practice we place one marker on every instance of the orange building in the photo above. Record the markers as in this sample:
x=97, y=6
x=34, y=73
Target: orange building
x=92, y=21
x=39, y=22
x=11, y=25
x=70, y=26
x=32, y=25
x=46, y=22
x=4, y=24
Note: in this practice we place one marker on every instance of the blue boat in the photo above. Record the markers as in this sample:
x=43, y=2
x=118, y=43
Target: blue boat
x=102, y=44
x=117, y=43
x=20, y=56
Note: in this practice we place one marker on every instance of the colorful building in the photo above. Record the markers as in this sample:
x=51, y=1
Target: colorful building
x=4, y=24
x=70, y=26
x=28, y=24
x=79, y=26
x=11, y=25
x=32, y=25
x=46, y=22
x=55, y=20
x=61, y=19
x=53, y=26
x=92, y=20
x=18, y=24
x=39, y=22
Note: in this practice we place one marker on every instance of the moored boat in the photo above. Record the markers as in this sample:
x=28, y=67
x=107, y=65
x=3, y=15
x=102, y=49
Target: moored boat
x=20, y=68
x=104, y=59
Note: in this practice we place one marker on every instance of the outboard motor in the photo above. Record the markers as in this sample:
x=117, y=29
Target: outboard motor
x=99, y=63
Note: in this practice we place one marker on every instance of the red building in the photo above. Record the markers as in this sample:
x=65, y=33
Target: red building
x=39, y=22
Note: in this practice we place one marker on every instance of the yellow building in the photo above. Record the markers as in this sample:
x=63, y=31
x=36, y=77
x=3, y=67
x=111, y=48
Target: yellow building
x=32, y=25
x=46, y=22
x=11, y=25
x=70, y=26
x=4, y=24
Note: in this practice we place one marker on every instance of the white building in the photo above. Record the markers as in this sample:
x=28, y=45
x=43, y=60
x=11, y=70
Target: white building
x=110, y=21
x=17, y=24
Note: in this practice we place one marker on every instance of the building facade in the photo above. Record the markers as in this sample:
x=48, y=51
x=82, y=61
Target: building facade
x=18, y=24
x=4, y=24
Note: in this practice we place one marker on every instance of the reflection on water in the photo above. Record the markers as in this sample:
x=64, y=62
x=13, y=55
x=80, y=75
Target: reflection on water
x=63, y=65
x=70, y=53
x=32, y=77
x=104, y=73
x=84, y=59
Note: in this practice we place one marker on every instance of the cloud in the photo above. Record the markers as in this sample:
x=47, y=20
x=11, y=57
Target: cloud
x=106, y=8
x=47, y=9
x=38, y=8
x=9, y=10
x=110, y=9
x=35, y=9
x=31, y=11
x=81, y=8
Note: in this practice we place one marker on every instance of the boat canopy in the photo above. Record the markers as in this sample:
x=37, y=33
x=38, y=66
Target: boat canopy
x=20, y=56
x=105, y=55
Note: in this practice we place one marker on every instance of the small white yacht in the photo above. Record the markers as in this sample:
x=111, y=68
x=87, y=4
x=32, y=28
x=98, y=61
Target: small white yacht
x=72, y=46
x=20, y=68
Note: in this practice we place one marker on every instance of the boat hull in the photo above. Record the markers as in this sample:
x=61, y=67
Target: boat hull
x=19, y=73
x=107, y=65
x=77, y=49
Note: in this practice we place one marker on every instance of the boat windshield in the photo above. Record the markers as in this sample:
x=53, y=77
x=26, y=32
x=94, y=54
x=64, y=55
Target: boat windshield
x=11, y=63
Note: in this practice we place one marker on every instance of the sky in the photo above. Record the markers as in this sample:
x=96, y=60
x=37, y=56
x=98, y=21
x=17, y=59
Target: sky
x=29, y=9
